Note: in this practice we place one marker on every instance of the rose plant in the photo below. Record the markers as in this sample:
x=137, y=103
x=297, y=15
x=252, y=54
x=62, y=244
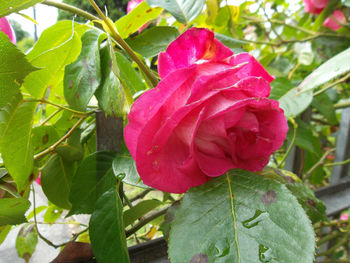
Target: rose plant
x=182, y=129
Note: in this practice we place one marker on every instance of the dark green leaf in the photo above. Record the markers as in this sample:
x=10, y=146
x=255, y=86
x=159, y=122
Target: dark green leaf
x=57, y=46
x=152, y=41
x=83, y=76
x=325, y=106
x=107, y=231
x=56, y=180
x=183, y=10
x=12, y=210
x=139, y=16
x=235, y=45
x=8, y=7
x=72, y=150
x=93, y=177
x=124, y=167
x=241, y=217
x=139, y=210
x=26, y=241
x=13, y=68
x=15, y=140
x=168, y=220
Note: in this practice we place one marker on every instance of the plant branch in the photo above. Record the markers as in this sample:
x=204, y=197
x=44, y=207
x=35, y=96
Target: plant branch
x=145, y=221
x=342, y=105
x=140, y=195
x=50, y=117
x=56, y=144
x=320, y=162
x=338, y=163
x=113, y=31
x=332, y=84
x=71, y=9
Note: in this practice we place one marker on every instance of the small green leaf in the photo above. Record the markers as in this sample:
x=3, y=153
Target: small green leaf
x=26, y=241
x=152, y=41
x=279, y=87
x=234, y=44
x=212, y=10
x=8, y=7
x=4, y=230
x=139, y=210
x=106, y=228
x=43, y=137
x=183, y=10
x=241, y=217
x=12, y=210
x=13, y=69
x=15, y=140
x=83, y=76
x=72, y=150
x=93, y=178
x=125, y=165
x=52, y=214
x=139, y=16
x=56, y=180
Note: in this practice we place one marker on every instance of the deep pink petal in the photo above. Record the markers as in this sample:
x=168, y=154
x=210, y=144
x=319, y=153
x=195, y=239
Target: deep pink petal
x=251, y=68
x=314, y=6
x=194, y=46
x=335, y=20
x=7, y=29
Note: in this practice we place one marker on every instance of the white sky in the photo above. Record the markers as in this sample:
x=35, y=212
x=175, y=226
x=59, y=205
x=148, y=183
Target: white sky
x=46, y=16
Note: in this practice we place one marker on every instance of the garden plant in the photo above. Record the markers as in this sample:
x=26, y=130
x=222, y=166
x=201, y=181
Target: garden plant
x=211, y=95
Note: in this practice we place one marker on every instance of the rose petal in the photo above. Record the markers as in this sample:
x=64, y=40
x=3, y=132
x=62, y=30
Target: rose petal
x=314, y=6
x=7, y=29
x=335, y=20
x=194, y=45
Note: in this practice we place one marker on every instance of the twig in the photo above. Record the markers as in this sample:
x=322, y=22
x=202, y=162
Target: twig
x=338, y=163
x=153, y=79
x=71, y=9
x=56, y=144
x=50, y=117
x=140, y=195
x=332, y=85
x=145, y=221
x=320, y=162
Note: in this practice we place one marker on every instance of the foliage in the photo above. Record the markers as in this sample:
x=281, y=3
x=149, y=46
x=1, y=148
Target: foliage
x=48, y=129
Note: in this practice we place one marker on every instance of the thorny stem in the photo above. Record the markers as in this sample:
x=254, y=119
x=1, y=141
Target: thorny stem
x=56, y=105
x=153, y=79
x=56, y=144
x=145, y=221
x=75, y=236
x=71, y=9
x=295, y=126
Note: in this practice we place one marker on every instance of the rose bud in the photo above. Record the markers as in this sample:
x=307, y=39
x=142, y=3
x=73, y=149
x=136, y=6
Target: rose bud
x=209, y=114
x=7, y=29
x=314, y=6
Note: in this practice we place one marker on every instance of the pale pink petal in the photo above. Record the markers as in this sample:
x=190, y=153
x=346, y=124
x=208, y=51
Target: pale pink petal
x=193, y=46
x=314, y=6
x=7, y=29
x=335, y=20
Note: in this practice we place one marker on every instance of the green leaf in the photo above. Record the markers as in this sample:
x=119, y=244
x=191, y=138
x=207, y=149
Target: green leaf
x=56, y=180
x=13, y=68
x=124, y=167
x=326, y=12
x=93, y=177
x=168, y=220
x=293, y=102
x=83, y=76
x=52, y=214
x=43, y=137
x=183, y=10
x=139, y=210
x=315, y=208
x=212, y=10
x=12, y=210
x=325, y=106
x=279, y=87
x=4, y=230
x=106, y=229
x=241, y=217
x=72, y=150
x=154, y=40
x=8, y=7
x=139, y=16
x=57, y=46
x=234, y=44
x=109, y=94
x=15, y=140
x=26, y=241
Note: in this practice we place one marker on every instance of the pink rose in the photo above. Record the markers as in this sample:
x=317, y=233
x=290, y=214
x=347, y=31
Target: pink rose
x=335, y=20
x=7, y=29
x=314, y=6
x=209, y=114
